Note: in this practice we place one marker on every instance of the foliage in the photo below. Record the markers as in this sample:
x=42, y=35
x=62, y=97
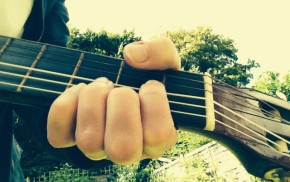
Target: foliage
x=194, y=169
x=203, y=51
x=269, y=82
x=102, y=42
x=66, y=173
x=187, y=142
x=285, y=86
x=132, y=173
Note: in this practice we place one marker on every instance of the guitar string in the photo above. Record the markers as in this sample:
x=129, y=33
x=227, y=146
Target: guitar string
x=253, y=107
x=70, y=56
x=74, y=77
x=94, y=61
x=269, y=113
x=250, y=130
x=230, y=119
x=252, y=122
x=259, y=141
x=186, y=113
x=174, y=102
x=90, y=60
x=137, y=89
x=65, y=84
x=55, y=73
x=251, y=96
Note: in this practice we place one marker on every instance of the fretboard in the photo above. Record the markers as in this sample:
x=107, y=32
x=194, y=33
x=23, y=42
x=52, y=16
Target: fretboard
x=35, y=69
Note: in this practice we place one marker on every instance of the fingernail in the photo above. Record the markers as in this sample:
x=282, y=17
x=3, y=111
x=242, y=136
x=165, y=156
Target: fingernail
x=102, y=80
x=154, y=82
x=137, y=52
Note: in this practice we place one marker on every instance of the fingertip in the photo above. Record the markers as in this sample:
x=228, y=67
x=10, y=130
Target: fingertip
x=157, y=54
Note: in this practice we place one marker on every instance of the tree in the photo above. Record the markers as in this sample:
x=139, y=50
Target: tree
x=203, y=51
x=269, y=82
x=102, y=42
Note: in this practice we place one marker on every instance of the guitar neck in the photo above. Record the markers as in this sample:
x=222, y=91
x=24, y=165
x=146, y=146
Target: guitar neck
x=37, y=73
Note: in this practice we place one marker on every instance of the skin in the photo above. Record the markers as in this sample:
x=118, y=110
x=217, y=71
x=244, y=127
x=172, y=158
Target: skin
x=118, y=124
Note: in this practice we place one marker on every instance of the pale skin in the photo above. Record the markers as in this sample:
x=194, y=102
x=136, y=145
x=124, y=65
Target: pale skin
x=118, y=124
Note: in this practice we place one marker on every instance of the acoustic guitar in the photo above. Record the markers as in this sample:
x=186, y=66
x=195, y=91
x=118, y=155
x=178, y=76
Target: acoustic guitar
x=253, y=125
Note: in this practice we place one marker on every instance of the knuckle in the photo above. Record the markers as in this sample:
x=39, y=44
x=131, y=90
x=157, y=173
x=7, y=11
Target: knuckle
x=155, y=138
x=152, y=88
x=159, y=137
x=60, y=105
x=88, y=145
x=95, y=88
x=123, y=92
x=123, y=153
x=55, y=142
x=59, y=142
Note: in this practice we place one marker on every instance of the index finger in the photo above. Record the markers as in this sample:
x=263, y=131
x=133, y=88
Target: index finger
x=158, y=54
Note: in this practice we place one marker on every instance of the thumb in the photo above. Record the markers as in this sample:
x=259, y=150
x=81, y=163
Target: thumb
x=158, y=54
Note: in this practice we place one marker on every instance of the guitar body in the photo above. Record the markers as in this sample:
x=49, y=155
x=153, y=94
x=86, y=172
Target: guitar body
x=251, y=124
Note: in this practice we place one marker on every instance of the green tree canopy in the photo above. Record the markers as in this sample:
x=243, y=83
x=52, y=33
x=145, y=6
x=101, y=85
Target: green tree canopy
x=203, y=51
x=269, y=82
x=103, y=42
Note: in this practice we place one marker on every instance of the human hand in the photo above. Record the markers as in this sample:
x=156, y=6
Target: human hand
x=118, y=124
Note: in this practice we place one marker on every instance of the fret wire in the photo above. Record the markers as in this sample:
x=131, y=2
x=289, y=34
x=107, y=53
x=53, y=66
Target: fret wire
x=32, y=88
x=90, y=80
x=63, y=64
x=93, y=60
x=65, y=56
x=132, y=76
x=214, y=93
x=164, y=78
x=47, y=72
x=63, y=83
x=31, y=68
x=114, y=65
x=105, y=63
x=5, y=45
x=76, y=69
x=120, y=72
x=118, y=85
x=90, y=60
x=35, y=78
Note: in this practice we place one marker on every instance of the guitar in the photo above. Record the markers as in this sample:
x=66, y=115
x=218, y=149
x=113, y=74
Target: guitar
x=253, y=125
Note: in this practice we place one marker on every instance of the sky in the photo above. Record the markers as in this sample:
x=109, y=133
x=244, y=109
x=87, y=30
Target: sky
x=259, y=28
